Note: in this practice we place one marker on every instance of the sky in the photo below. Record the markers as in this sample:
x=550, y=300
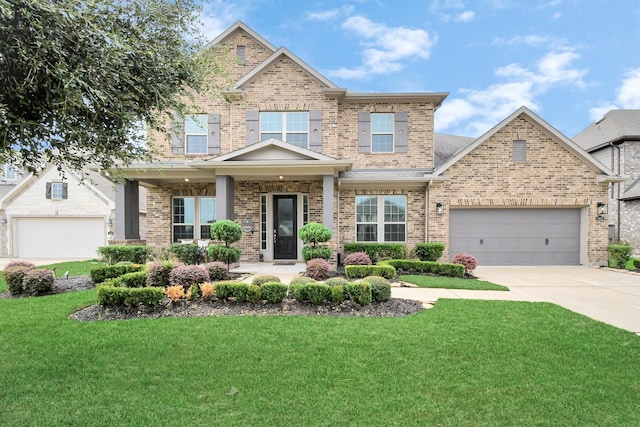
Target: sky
x=569, y=61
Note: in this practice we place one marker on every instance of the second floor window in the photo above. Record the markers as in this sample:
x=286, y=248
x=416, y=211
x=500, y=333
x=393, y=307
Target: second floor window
x=196, y=130
x=291, y=127
x=10, y=173
x=382, y=132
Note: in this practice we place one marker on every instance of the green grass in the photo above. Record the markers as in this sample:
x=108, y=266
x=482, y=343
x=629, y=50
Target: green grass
x=630, y=265
x=462, y=363
x=75, y=268
x=451, y=283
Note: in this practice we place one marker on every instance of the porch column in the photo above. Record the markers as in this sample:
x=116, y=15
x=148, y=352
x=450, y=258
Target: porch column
x=127, y=211
x=224, y=197
x=327, y=201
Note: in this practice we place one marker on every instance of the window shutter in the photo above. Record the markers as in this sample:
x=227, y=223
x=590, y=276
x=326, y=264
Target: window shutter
x=400, y=128
x=315, y=131
x=177, y=135
x=253, y=126
x=213, y=135
x=519, y=151
x=364, y=132
x=65, y=192
x=48, y=190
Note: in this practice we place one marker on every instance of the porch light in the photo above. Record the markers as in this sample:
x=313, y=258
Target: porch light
x=281, y=177
x=109, y=222
x=3, y=221
x=439, y=208
x=602, y=208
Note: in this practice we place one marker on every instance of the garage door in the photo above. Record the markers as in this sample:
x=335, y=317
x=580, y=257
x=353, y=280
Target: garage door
x=516, y=236
x=58, y=237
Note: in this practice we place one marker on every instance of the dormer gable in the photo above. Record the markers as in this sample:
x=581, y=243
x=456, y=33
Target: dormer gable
x=272, y=150
x=233, y=30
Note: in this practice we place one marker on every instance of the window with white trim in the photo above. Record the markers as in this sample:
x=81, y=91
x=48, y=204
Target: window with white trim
x=57, y=190
x=382, y=132
x=10, y=173
x=381, y=218
x=192, y=217
x=196, y=129
x=291, y=127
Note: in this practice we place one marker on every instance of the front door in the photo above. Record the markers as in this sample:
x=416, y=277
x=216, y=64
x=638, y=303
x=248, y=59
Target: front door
x=285, y=227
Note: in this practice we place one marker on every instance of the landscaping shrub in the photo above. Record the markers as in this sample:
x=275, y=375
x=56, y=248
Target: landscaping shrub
x=175, y=293
x=194, y=292
x=359, y=292
x=113, y=254
x=357, y=258
x=301, y=280
x=208, y=290
x=361, y=271
x=100, y=274
x=225, y=254
x=380, y=288
x=429, y=251
x=378, y=251
x=469, y=262
x=299, y=292
x=217, y=270
x=259, y=280
x=227, y=289
x=14, y=274
x=229, y=232
x=273, y=292
x=404, y=266
x=336, y=281
x=337, y=294
x=110, y=296
x=619, y=254
x=636, y=263
x=317, y=292
x=188, y=253
x=158, y=273
x=318, y=269
x=187, y=275
x=310, y=252
x=312, y=234
x=137, y=279
x=38, y=282
x=254, y=294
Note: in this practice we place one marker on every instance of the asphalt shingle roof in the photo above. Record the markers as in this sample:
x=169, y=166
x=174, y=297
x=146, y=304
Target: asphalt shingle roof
x=616, y=125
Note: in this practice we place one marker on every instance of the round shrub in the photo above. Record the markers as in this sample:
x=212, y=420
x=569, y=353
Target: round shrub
x=217, y=270
x=273, y=292
x=311, y=252
x=357, y=258
x=226, y=231
x=429, y=251
x=225, y=254
x=359, y=292
x=208, y=290
x=314, y=233
x=254, y=295
x=188, y=253
x=38, y=282
x=301, y=280
x=337, y=294
x=14, y=274
x=158, y=273
x=468, y=261
x=317, y=292
x=336, y=281
x=380, y=288
x=187, y=275
x=318, y=269
x=259, y=280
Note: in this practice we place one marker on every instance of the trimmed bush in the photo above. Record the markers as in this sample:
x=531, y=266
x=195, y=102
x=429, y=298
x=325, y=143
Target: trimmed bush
x=110, y=296
x=225, y=254
x=240, y=291
x=188, y=253
x=301, y=280
x=619, y=254
x=226, y=231
x=187, y=275
x=337, y=294
x=158, y=273
x=259, y=280
x=468, y=261
x=273, y=292
x=636, y=263
x=100, y=274
x=194, y=292
x=113, y=254
x=254, y=294
x=217, y=270
x=404, y=266
x=380, y=288
x=357, y=258
x=362, y=271
x=359, y=292
x=228, y=289
x=175, y=293
x=314, y=233
x=336, y=281
x=429, y=251
x=318, y=269
x=38, y=282
x=208, y=290
x=14, y=274
x=137, y=279
x=378, y=251
x=318, y=292
x=311, y=252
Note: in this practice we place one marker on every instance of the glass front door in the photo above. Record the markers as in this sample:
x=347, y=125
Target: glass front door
x=285, y=227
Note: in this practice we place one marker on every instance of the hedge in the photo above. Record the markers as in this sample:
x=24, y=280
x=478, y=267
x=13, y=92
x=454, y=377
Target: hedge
x=273, y=292
x=100, y=274
x=113, y=254
x=376, y=251
x=362, y=271
x=429, y=251
x=619, y=254
x=111, y=296
x=359, y=292
x=426, y=267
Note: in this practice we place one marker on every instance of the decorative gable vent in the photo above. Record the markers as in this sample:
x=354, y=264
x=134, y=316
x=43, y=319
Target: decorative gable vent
x=519, y=151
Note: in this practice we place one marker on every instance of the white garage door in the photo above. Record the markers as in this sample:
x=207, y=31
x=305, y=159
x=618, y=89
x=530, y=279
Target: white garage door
x=516, y=236
x=58, y=237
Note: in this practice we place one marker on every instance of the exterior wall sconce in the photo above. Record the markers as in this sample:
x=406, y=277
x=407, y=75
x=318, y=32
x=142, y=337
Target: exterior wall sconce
x=439, y=208
x=109, y=222
x=602, y=208
x=3, y=221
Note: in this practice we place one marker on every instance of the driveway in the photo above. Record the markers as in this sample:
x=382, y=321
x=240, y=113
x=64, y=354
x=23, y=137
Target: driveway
x=610, y=296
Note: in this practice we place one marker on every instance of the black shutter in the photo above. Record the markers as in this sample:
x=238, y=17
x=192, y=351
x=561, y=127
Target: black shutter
x=48, y=190
x=65, y=191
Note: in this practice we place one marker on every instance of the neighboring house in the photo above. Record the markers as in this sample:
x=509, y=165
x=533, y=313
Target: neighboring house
x=48, y=216
x=615, y=141
x=285, y=146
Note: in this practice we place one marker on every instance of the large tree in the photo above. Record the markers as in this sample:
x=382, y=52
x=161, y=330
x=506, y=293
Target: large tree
x=79, y=79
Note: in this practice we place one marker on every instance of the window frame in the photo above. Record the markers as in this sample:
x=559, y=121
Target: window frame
x=57, y=190
x=391, y=133
x=201, y=119
x=197, y=223
x=10, y=173
x=284, y=132
x=380, y=221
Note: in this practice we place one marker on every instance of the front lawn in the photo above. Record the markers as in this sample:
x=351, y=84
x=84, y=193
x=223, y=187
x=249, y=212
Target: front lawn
x=75, y=268
x=451, y=283
x=462, y=363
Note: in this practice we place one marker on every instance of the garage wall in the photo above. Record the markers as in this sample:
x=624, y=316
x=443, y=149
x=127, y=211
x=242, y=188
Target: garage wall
x=551, y=177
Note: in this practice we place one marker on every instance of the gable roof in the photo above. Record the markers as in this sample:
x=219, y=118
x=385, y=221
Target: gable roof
x=446, y=146
x=269, y=150
x=615, y=126
x=605, y=175
x=239, y=25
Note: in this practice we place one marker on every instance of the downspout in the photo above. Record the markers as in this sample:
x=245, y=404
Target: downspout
x=426, y=212
x=618, y=197
x=338, y=223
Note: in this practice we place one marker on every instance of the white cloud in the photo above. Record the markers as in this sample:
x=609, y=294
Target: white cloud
x=330, y=15
x=466, y=16
x=627, y=96
x=218, y=15
x=385, y=48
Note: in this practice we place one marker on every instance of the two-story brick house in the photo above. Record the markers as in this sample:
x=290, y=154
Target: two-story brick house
x=285, y=146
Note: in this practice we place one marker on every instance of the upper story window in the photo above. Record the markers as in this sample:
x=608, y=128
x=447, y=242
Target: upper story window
x=241, y=54
x=10, y=173
x=519, y=151
x=196, y=130
x=56, y=190
x=291, y=127
x=192, y=217
x=382, y=132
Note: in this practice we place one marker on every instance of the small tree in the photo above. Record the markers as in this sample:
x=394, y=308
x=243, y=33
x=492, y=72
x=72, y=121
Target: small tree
x=312, y=234
x=229, y=232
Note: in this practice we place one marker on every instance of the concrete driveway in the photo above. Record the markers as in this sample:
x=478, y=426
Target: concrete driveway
x=607, y=295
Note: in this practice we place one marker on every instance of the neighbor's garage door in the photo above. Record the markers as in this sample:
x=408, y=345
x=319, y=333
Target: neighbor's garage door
x=58, y=237
x=516, y=236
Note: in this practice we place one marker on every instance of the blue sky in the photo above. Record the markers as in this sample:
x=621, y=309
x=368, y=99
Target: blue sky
x=570, y=61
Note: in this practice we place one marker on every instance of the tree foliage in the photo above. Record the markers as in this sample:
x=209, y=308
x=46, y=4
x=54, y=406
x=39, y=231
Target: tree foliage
x=82, y=80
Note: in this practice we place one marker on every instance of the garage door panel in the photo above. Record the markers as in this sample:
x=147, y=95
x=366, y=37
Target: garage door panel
x=58, y=237
x=517, y=236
